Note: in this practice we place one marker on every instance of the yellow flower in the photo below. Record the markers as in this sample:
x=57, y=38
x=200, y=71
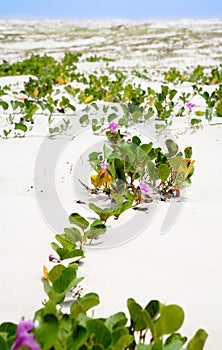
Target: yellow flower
x=88, y=99
x=214, y=81
x=35, y=92
x=188, y=161
x=46, y=273
x=150, y=103
x=186, y=166
x=62, y=80
x=103, y=178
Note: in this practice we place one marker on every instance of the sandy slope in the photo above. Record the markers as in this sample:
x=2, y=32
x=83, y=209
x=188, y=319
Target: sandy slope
x=183, y=266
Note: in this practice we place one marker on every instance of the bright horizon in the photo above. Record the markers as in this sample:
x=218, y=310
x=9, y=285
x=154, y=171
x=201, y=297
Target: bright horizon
x=99, y=9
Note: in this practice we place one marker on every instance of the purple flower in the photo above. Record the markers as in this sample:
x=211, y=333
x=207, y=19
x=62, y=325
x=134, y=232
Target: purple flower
x=113, y=127
x=104, y=165
x=190, y=105
x=144, y=188
x=24, y=337
x=54, y=258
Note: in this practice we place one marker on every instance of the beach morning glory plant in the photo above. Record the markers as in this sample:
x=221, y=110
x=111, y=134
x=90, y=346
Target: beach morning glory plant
x=132, y=169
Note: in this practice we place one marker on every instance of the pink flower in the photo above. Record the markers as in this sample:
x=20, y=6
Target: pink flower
x=54, y=258
x=190, y=105
x=113, y=127
x=24, y=337
x=144, y=188
x=104, y=165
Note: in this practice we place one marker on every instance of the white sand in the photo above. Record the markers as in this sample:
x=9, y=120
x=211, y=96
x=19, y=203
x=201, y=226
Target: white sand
x=184, y=266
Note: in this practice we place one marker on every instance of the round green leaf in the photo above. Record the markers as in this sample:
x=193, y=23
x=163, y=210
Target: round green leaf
x=170, y=320
x=195, y=121
x=164, y=172
x=63, y=282
x=8, y=327
x=198, y=341
x=4, y=105
x=101, y=334
x=21, y=126
x=78, y=337
x=152, y=170
x=47, y=331
x=172, y=147
x=78, y=220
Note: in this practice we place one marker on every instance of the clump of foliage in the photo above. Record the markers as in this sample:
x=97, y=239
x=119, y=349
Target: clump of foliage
x=198, y=75
x=129, y=171
x=49, y=77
